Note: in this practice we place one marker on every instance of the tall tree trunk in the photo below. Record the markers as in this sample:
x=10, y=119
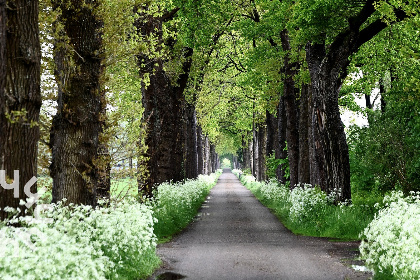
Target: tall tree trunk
x=164, y=134
x=326, y=83
x=255, y=153
x=262, y=140
x=20, y=96
x=251, y=156
x=315, y=149
x=191, y=153
x=213, y=158
x=246, y=154
x=200, y=151
x=290, y=100
x=80, y=173
x=207, y=159
x=327, y=65
x=272, y=134
x=163, y=112
x=281, y=153
x=305, y=125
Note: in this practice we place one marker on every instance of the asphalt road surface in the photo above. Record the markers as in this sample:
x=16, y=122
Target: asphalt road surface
x=236, y=237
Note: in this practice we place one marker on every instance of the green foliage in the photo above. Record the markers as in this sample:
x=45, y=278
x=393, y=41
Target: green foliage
x=121, y=188
x=80, y=242
x=385, y=155
x=116, y=240
x=273, y=164
x=390, y=242
x=226, y=163
x=308, y=211
x=176, y=204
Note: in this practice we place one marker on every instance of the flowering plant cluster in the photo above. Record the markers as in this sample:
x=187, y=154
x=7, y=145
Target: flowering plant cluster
x=391, y=241
x=303, y=203
x=307, y=203
x=116, y=240
x=176, y=204
x=391, y=237
x=81, y=242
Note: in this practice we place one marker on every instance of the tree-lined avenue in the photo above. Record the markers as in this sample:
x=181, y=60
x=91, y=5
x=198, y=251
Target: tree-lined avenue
x=235, y=237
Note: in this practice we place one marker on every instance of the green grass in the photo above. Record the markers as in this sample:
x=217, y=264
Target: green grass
x=119, y=187
x=123, y=187
x=176, y=205
x=324, y=220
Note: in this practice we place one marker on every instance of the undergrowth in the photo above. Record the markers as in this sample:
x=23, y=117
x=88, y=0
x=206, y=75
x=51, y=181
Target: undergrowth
x=116, y=240
x=176, y=204
x=390, y=230
x=309, y=211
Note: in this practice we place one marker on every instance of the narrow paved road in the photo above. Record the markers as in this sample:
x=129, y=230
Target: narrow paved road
x=236, y=237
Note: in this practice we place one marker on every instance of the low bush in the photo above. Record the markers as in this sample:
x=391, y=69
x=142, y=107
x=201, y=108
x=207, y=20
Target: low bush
x=176, y=204
x=116, y=240
x=81, y=242
x=309, y=211
x=390, y=230
x=391, y=241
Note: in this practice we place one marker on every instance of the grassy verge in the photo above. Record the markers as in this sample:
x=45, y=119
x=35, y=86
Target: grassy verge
x=390, y=230
x=308, y=211
x=116, y=240
x=177, y=204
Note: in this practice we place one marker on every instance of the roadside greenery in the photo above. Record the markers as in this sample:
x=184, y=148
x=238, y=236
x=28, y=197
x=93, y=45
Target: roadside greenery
x=391, y=241
x=390, y=230
x=176, y=204
x=116, y=240
x=113, y=241
x=307, y=210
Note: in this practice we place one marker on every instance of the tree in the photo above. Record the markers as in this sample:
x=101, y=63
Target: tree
x=384, y=155
x=328, y=61
x=163, y=102
x=79, y=172
x=20, y=98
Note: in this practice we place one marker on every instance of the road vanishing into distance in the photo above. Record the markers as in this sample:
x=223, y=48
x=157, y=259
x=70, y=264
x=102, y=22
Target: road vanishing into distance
x=235, y=237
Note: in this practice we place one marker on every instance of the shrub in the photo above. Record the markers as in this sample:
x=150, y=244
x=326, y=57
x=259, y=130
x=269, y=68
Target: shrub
x=307, y=204
x=176, y=204
x=113, y=241
x=391, y=240
x=309, y=211
x=81, y=242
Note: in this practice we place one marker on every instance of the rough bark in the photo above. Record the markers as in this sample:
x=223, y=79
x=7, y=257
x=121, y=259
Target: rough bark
x=80, y=173
x=213, y=158
x=164, y=134
x=334, y=150
x=163, y=112
x=20, y=57
x=292, y=119
x=246, y=154
x=315, y=150
x=200, y=151
x=281, y=153
x=251, y=156
x=262, y=140
x=255, y=153
x=207, y=159
x=305, y=124
x=191, y=152
x=328, y=68
x=272, y=134
x=3, y=78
